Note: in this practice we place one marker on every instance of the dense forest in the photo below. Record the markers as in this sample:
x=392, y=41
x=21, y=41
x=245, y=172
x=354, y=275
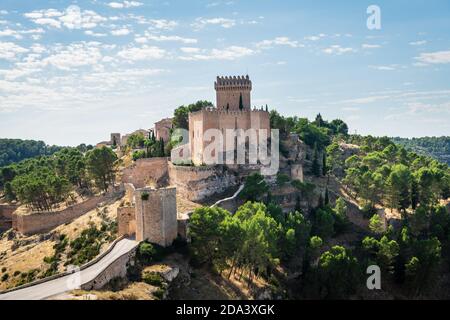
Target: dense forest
x=15, y=150
x=436, y=147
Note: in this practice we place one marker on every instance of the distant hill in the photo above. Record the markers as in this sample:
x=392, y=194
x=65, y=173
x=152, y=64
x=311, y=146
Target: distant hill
x=15, y=150
x=436, y=147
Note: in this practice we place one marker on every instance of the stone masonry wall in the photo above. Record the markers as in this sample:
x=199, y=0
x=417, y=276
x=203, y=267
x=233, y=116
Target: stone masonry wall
x=156, y=215
x=7, y=210
x=146, y=171
x=117, y=269
x=39, y=222
x=126, y=221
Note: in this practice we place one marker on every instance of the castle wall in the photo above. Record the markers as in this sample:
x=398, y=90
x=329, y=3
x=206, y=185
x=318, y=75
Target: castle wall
x=203, y=120
x=146, y=171
x=6, y=210
x=156, y=216
x=126, y=221
x=117, y=269
x=38, y=222
x=198, y=183
x=162, y=129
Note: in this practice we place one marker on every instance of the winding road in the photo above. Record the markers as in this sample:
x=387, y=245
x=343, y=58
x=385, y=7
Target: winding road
x=72, y=281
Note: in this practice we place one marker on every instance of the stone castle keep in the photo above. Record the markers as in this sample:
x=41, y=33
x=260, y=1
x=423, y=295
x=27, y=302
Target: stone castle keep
x=233, y=111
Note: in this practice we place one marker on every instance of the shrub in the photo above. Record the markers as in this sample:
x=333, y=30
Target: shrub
x=5, y=277
x=145, y=196
x=153, y=279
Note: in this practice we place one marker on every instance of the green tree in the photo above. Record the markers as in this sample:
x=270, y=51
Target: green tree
x=205, y=228
x=376, y=225
x=136, y=141
x=323, y=223
x=339, y=273
x=255, y=187
x=315, y=168
x=101, y=164
x=181, y=114
x=399, y=182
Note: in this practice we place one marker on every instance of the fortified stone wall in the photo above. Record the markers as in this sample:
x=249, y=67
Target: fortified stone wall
x=222, y=120
x=126, y=221
x=144, y=172
x=38, y=222
x=156, y=215
x=6, y=210
x=198, y=183
x=117, y=269
x=162, y=129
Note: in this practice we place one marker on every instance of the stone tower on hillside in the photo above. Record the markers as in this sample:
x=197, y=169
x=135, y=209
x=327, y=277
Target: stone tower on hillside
x=156, y=215
x=233, y=93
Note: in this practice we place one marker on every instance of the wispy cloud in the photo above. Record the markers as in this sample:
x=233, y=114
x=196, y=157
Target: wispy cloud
x=200, y=22
x=439, y=57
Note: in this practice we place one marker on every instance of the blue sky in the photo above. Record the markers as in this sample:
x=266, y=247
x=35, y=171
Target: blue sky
x=74, y=71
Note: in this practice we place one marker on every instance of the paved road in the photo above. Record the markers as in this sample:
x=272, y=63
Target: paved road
x=70, y=282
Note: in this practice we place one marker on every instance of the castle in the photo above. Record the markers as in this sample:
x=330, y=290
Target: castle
x=233, y=111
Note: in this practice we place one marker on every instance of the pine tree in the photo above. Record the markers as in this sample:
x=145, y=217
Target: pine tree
x=161, y=143
x=241, y=103
x=324, y=164
x=267, y=108
x=414, y=194
x=327, y=197
x=320, y=202
x=315, y=164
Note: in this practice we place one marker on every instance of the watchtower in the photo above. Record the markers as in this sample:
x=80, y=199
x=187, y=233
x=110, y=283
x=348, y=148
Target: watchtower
x=233, y=93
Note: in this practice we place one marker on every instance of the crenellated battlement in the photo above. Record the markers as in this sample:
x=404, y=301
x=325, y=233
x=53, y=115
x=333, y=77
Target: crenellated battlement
x=233, y=93
x=220, y=111
x=233, y=83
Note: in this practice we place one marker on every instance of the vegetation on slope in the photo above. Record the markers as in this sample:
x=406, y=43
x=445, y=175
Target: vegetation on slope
x=44, y=182
x=436, y=147
x=15, y=150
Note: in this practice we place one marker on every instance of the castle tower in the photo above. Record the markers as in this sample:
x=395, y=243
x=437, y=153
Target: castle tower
x=156, y=215
x=233, y=93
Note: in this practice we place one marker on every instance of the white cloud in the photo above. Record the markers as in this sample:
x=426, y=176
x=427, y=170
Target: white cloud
x=74, y=56
x=439, y=57
x=162, y=38
x=121, y=32
x=315, y=37
x=125, y=4
x=229, y=53
x=190, y=50
x=94, y=34
x=370, y=46
x=384, y=68
x=280, y=41
x=143, y=53
x=72, y=18
x=338, y=50
x=418, y=43
x=10, y=33
x=223, y=22
x=163, y=24
x=9, y=50
x=48, y=22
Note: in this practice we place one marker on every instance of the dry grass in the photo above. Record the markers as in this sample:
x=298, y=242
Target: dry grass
x=133, y=291
x=30, y=256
